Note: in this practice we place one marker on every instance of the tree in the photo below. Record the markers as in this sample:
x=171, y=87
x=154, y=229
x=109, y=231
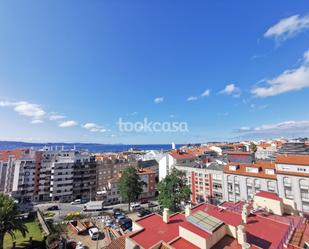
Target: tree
x=253, y=147
x=173, y=190
x=130, y=185
x=8, y=219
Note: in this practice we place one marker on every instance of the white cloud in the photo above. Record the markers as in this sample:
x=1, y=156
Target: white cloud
x=288, y=27
x=24, y=108
x=289, y=80
x=192, y=98
x=55, y=116
x=206, y=93
x=286, y=126
x=68, y=124
x=231, y=89
x=37, y=121
x=158, y=100
x=94, y=127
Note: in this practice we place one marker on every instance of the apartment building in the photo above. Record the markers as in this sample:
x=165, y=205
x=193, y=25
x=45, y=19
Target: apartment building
x=72, y=175
x=205, y=181
x=7, y=168
x=148, y=176
x=44, y=175
x=266, y=151
x=109, y=166
x=243, y=180
x=293, y=179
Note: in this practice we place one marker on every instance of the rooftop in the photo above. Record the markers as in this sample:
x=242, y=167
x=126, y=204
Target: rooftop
x=181, y=243
x=268, y=195
x=177, y=155
x=258, y=229
x=241, y=170
x=293, y=159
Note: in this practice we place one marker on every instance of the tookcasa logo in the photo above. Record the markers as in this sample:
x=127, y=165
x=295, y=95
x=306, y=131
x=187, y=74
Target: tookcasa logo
x=152, y=126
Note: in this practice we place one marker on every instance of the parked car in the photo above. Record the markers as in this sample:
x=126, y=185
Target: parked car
x=116, y=210
x=119, y=218
x=143, y=212
x=76, y=202
x=52, y=208
x=151, y=205
x=125, y=224
x=94, y=233
x=118, y=214
x=135, y=206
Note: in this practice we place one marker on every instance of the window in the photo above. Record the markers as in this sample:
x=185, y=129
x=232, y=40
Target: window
x=270, y=171
x=257, y=184
x=233, y=167
x=288, y=193
x=287, y=182
x=229, y=178
x=303, y=184
x=271, y=186
x=217, y=177
x=252, y=170
x=249, y=182
x=301, y=169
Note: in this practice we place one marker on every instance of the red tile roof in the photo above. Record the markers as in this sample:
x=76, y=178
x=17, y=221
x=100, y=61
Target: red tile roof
x=259, y=229
x=118, y=243
x=293, y=159
x=181, y=243
x=182, y=155
x=156, y=230
x=18, y=153
x=263, y=165
x=268, y=195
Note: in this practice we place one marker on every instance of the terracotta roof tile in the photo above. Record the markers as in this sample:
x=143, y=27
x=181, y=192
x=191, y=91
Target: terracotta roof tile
x=293, y=159
x=262, y=165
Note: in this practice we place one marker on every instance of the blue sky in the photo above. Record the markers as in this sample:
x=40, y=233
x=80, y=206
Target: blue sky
x=230, y=69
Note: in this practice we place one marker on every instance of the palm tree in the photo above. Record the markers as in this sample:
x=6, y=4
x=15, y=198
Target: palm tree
x=8, y=221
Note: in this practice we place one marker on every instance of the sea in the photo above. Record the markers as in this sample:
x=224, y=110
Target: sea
x=9, y=145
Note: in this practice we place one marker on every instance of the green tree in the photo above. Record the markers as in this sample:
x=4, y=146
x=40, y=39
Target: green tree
x=130, y=185
x=173, y=190
x=253, y=147
x=8, y=219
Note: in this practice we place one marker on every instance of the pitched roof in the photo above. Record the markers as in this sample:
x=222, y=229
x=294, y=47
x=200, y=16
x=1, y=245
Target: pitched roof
x=17, y=153
x=118, y=243
x=182, y=155
x=262, y=165
x=293, y=159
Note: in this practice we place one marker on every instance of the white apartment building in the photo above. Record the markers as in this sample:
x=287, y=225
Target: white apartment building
x=243, y=180
x=166, y=164
x=293, y=179
x=266, y=151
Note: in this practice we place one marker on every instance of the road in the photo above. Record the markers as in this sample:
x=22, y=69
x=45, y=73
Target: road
x=65, y=208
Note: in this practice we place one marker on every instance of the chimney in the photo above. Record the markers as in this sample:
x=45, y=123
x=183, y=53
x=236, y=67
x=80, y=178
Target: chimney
x=187, y=211
x=241, y=234
x=245, y=213
x=245, y=246
x=166, y=215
